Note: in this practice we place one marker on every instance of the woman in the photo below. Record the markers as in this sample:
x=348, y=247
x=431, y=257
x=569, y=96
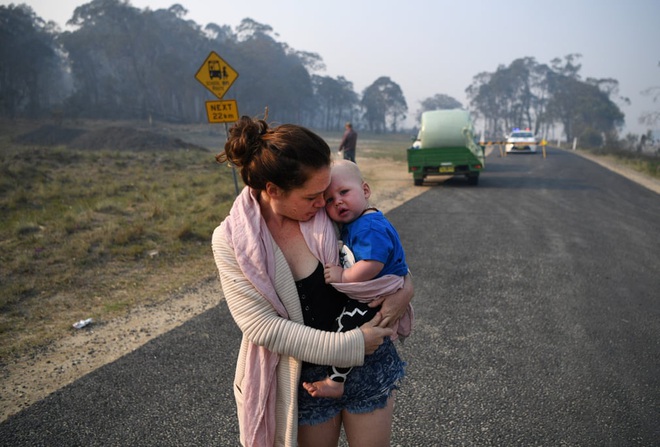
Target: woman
x=269, y=252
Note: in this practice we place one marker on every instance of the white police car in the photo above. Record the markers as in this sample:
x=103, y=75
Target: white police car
x=521, y=141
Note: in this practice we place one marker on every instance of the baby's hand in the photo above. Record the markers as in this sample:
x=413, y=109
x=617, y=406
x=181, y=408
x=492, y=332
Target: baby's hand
x=332, y=273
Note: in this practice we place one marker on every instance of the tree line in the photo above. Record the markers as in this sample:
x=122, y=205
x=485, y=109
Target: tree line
x=541, y=96
x=122, y=62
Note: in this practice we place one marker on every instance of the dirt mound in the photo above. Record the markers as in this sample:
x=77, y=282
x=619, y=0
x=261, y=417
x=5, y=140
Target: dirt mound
x=127, y=138
x=49, y=135
x=112, y=138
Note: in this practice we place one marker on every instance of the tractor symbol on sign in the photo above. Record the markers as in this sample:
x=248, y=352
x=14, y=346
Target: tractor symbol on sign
x=216, y=71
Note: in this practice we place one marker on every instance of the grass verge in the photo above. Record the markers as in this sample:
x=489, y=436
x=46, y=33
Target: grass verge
x=91, y=234
x=646, y=164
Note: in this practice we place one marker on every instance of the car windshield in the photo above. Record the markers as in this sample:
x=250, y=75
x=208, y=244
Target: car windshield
x=521, y=135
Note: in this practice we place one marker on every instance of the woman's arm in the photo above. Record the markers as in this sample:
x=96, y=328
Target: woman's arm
x=396, y=304
x=261, y=324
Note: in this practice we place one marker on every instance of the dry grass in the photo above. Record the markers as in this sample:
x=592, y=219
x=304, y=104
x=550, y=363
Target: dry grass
x=644, y=163
x=90, y=234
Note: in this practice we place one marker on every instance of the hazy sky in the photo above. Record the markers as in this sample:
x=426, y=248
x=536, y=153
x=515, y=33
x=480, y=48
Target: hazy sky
x=438, y=46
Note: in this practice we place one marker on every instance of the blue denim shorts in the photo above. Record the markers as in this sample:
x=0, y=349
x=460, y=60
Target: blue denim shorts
x=366, y=389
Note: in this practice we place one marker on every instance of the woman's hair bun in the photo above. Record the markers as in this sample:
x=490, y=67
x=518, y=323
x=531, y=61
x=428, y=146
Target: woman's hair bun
x=284, y=155
x=244, y=141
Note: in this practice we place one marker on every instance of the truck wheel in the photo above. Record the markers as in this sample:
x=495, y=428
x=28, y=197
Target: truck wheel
x=418, y=181
x=473, y=179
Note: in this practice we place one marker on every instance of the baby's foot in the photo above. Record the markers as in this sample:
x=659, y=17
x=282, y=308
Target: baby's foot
x=325, y=388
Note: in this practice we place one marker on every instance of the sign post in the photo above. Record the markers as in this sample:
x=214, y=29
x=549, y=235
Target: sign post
x=217, y=76
x=544, y=143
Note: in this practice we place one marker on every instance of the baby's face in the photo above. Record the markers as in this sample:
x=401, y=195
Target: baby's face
x=346, y=197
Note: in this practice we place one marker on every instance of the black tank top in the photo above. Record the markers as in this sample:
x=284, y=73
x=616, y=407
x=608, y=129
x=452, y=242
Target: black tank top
x=321, y=303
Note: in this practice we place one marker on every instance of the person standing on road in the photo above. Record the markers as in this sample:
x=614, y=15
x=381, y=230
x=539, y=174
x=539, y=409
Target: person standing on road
x=349, y=143
x=270, y=252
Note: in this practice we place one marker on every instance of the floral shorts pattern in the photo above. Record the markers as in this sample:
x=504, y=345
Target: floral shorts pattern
x=366, y=389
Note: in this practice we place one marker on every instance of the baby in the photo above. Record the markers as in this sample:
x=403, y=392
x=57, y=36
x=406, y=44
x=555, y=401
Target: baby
x=371, y=249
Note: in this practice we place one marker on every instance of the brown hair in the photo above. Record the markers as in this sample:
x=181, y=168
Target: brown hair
x=285, y=155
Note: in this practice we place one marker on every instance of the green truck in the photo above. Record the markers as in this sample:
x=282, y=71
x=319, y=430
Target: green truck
x=445, y=146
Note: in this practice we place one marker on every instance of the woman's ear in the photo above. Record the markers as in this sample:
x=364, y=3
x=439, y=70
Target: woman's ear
x=273, y=190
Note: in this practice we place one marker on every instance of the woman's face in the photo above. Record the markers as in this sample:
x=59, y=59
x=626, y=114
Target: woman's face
x=303, y=203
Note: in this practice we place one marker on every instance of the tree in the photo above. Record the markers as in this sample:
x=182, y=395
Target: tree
x=438, y=102
x=538, y=96
x=130, y=63
x=512, y=96
x=32, y=75
x=336, y=101
x=271, y=75
x=651, y=118
x=383, y=101
x=174, y=48
x=484, y=103
x=584, y=109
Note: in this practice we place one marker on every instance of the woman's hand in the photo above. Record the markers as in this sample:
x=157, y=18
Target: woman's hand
x=373, y=334
x=396, y=304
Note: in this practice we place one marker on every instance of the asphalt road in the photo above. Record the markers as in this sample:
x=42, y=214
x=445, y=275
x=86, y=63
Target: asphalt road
x=538, y=324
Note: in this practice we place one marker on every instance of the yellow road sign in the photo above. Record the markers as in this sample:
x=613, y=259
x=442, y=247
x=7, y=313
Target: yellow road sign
x=216, y=75
x=222, y=111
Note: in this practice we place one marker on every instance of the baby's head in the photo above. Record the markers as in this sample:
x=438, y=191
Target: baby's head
x=348, y=194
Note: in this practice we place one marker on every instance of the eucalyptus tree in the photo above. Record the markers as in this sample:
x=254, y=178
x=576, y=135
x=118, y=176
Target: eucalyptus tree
x=512, y=96
x=651, y=118
x=131, y=63
x=484, y=103
x=539, y=96
x=337, y=101
x=584, y=109
x=32, y=72
x=383, y=102
x=177, y=49
x=271, y=74
x=103, y=61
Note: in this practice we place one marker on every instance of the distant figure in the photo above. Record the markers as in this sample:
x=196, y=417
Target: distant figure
x=348, y=143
